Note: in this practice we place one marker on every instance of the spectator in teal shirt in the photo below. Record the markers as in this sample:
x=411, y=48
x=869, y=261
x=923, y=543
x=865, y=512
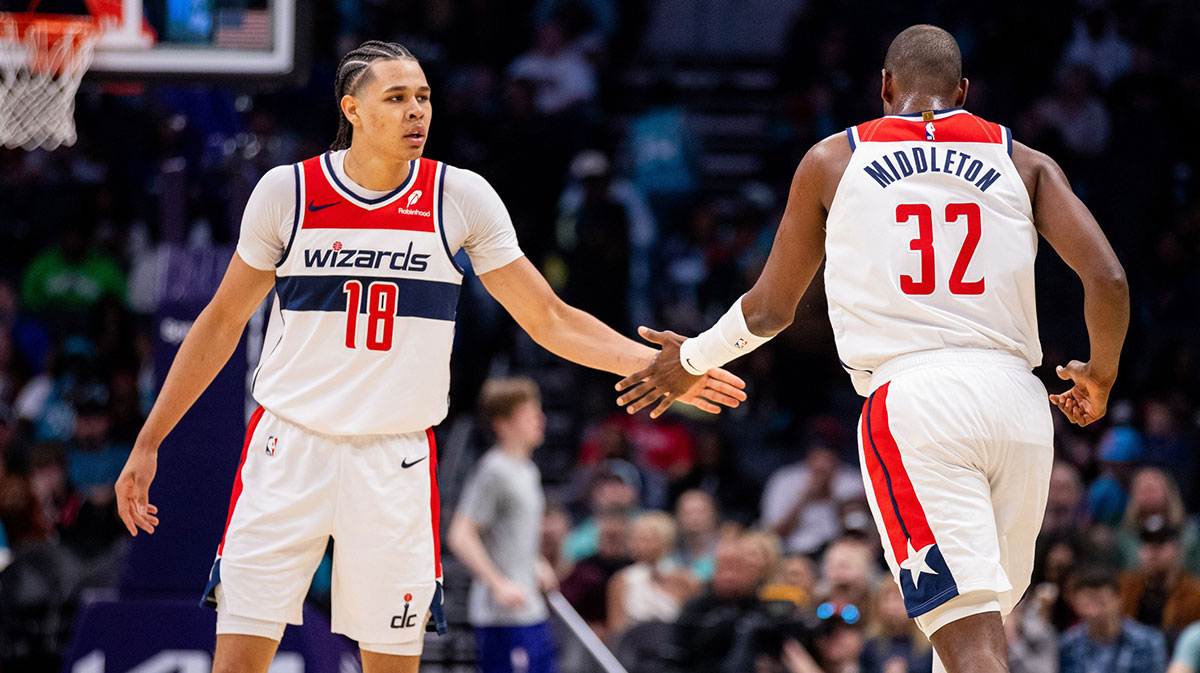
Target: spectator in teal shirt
x=1187, y=651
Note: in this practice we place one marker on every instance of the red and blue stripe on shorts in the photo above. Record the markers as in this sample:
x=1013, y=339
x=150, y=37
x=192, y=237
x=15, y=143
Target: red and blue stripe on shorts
x=925, y=580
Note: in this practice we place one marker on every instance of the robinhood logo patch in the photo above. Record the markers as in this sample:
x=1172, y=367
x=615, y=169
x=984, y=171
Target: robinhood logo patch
x=408, y=209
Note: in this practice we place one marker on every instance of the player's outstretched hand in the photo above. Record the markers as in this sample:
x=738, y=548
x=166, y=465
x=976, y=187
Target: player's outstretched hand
x=1087, y=400
x=666, y=381
x=133, y=491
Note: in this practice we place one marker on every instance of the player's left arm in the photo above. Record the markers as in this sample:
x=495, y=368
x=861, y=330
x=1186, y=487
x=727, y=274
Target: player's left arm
x=578, y=336
x=770, y=306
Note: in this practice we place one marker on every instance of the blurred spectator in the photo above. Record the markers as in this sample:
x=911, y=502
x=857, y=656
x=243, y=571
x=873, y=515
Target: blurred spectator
x=592, y=22
x=716, y=472
x=1153, y=492
x=1168, y=445
x=1074, y=115
x=848, y=574
x=612, y=494
x=586, y=588
x=1097, y=45
x=662, y=151
x=70, y=276
x=1187, y=651
x=895, y=643
x=1161, y=593
x=562, y=78
x=697, y=516
x=708, y=625
x=796, y=581
x=654, y=588
x=840, y=641
x=800, y=502
x=1032, y=641
x=556, y=525
x=1064, y=510
x=496, y=531
x=593, y=235
x=1120, y=449
x=37, y=589
x=1105, y=640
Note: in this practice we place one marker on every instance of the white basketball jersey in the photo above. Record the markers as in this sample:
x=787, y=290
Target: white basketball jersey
x=930, y=243
x=362, y=326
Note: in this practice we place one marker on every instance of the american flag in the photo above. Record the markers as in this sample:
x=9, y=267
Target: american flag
x=243, y=29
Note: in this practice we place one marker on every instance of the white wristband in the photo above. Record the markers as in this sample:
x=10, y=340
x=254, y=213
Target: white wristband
x=728, y=339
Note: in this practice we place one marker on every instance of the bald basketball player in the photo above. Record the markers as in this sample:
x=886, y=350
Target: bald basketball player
x=929, y=219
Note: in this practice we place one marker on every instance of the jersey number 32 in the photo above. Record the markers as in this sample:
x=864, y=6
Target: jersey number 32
x=923, y=243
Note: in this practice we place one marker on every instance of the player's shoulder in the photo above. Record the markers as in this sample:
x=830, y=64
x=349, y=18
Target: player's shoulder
x=463, y=186
x=279, y=177
x=278, y=185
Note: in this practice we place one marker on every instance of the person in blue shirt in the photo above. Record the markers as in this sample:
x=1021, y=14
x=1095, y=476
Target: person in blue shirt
x=1104, y=641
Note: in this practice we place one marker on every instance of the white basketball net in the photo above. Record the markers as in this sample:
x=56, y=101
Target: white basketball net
x=39, y=75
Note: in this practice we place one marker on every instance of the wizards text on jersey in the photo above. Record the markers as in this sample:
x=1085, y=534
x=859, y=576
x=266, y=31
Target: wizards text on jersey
x=345, y=258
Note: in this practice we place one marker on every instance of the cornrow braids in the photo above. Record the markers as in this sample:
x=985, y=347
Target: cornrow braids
x=350, y=74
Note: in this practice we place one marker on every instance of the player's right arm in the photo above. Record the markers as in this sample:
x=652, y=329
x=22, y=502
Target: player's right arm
x=1069, y=227
x=266, y=225
x=208, y=345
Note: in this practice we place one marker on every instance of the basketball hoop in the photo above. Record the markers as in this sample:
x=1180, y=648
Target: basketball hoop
x=42, y=60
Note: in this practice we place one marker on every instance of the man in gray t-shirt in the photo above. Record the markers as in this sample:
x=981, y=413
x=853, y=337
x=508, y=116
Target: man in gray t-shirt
x=496, y=533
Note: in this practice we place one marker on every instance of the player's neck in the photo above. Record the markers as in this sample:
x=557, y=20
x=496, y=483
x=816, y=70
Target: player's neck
x=374, y=172
x=915, y=102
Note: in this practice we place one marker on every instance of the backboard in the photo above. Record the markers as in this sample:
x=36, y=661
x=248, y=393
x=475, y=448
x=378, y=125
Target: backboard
x=200, y=38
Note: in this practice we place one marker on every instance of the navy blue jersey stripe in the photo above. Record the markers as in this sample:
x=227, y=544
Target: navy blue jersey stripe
x=850, y=137
x=417, y=298
x=441, y=221
x=412, y=170
x=295, y=219
x=887, y=477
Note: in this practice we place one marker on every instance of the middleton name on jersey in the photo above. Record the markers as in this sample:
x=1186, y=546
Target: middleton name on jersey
x=916, y=161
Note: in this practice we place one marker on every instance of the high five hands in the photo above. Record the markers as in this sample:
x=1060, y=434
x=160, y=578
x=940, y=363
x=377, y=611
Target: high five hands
x=666, y=382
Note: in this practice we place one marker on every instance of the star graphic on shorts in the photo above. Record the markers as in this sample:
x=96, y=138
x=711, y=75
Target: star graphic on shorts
x=915, y=563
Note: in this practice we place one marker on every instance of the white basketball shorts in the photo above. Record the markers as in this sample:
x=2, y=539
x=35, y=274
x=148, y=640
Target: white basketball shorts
x=956, y=448
x=376, y=495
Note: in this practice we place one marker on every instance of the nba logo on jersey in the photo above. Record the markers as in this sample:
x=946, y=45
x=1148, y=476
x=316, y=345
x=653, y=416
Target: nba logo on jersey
x=929, y=130
x=271, y=442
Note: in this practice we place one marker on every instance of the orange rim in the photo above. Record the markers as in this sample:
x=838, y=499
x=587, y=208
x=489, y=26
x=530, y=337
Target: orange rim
x=81, y=29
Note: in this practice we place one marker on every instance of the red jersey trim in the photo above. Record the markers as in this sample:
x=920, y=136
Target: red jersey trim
x=413, y=208
x=958, y=128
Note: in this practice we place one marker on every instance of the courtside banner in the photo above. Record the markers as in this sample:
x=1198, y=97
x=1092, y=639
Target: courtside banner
x=175, y=636
x=197, y=462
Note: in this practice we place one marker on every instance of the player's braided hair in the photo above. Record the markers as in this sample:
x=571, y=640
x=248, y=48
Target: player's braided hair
x=350, y=75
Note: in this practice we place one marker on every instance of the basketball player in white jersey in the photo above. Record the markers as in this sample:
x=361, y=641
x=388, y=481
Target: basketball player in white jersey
x=929, y=219
x=358, y=244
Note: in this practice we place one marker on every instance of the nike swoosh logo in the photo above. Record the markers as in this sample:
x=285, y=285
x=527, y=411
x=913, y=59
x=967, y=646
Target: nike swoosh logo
x=689, y=361
x=405, y=464
x=313, y=209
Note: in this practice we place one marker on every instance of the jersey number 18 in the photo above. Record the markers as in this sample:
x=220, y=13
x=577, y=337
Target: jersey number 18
x=381, y=313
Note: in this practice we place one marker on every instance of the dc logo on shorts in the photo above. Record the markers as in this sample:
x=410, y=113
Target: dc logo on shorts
x=740, y=344
x=408, y=618
x=271, y=442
